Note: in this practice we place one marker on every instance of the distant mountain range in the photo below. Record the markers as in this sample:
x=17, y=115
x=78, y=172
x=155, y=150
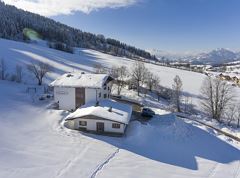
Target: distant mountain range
x=214, y=57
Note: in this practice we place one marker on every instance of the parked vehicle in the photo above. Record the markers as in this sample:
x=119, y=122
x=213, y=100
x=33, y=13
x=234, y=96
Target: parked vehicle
x=147, y=112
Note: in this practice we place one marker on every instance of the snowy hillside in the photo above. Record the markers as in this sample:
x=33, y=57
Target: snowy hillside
x=22, y=53
x=35, y=144
x=15, y=24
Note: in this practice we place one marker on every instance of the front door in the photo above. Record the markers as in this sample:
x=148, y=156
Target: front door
x=100, y=127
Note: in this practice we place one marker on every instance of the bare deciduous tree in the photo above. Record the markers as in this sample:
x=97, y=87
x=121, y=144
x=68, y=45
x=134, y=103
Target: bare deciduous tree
x=231, y=114
x=177, y=92
x=39, y=70
x=139, y=72
x=218, y=96
x=18, y=73
x=2, y=69
x=152, y=80
x=119, y=74
x=188, y=106
x=149, y=80
x=238, y=116
x=100, y=69
x=158, y=90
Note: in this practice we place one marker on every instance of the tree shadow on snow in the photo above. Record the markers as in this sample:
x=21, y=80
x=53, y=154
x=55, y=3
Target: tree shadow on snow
x=170, y=140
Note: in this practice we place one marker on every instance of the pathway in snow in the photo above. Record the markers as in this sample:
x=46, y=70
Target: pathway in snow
x=67, y=166
x=237, y=175
x=100, y=167
x=73, y=161
x=213, y=171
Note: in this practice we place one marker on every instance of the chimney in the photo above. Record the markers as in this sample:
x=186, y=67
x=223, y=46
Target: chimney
x=110, y=109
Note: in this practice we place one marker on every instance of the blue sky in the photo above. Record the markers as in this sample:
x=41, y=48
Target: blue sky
x=172, y=25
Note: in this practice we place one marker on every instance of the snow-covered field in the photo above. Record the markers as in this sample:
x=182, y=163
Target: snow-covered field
x=34, y=143
x=22, y=53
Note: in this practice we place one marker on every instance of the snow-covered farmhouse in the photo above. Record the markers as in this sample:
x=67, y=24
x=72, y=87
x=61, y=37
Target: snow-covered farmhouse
x=105, y=116
x=73, y=90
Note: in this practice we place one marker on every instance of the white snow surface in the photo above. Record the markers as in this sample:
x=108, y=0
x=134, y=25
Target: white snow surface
x=35, y=144
x=120, y=112
x=78, y=79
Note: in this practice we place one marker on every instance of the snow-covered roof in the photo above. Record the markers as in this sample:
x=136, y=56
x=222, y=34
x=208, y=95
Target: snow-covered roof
x=81, y=80
x=119, y=113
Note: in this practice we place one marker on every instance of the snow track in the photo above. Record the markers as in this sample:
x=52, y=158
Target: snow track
x=237, y=174
x=67, y=166
x=100, y=167
x=213, y=171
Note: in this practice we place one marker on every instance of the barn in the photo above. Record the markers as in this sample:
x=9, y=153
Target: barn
x=73, y=90
x=105, y=116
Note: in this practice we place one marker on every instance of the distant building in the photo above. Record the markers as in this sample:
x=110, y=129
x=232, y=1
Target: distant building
x=236, y=80
x=221, y=76
x=73, y=90
x=225, y=77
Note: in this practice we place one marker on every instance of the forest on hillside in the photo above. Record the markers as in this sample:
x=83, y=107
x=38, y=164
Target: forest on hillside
x=13, y=21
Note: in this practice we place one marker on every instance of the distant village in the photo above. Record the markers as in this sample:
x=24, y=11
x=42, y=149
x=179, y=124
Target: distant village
x=231, y=78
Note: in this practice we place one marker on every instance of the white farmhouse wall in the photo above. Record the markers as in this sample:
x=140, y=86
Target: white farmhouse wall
x=70, y=124
x=105, y=90
x=92, y=125
x=65, y=97
x=90, y=95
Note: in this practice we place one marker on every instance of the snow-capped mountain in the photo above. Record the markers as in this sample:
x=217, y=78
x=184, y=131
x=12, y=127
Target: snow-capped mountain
x=216, y=56
x=173, y=56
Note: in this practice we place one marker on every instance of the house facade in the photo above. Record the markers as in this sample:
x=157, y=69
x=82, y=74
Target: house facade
x=107, y=116
x=73, y=90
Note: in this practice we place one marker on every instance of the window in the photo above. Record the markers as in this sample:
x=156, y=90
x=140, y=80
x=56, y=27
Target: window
x=99, y=95
x=83, y=123
x=105, y=88
x=116, y=126
x=105, y=95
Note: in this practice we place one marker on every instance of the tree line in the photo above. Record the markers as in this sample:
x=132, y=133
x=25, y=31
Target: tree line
x=139, y=78
x=39, y=70
x=218, y=102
